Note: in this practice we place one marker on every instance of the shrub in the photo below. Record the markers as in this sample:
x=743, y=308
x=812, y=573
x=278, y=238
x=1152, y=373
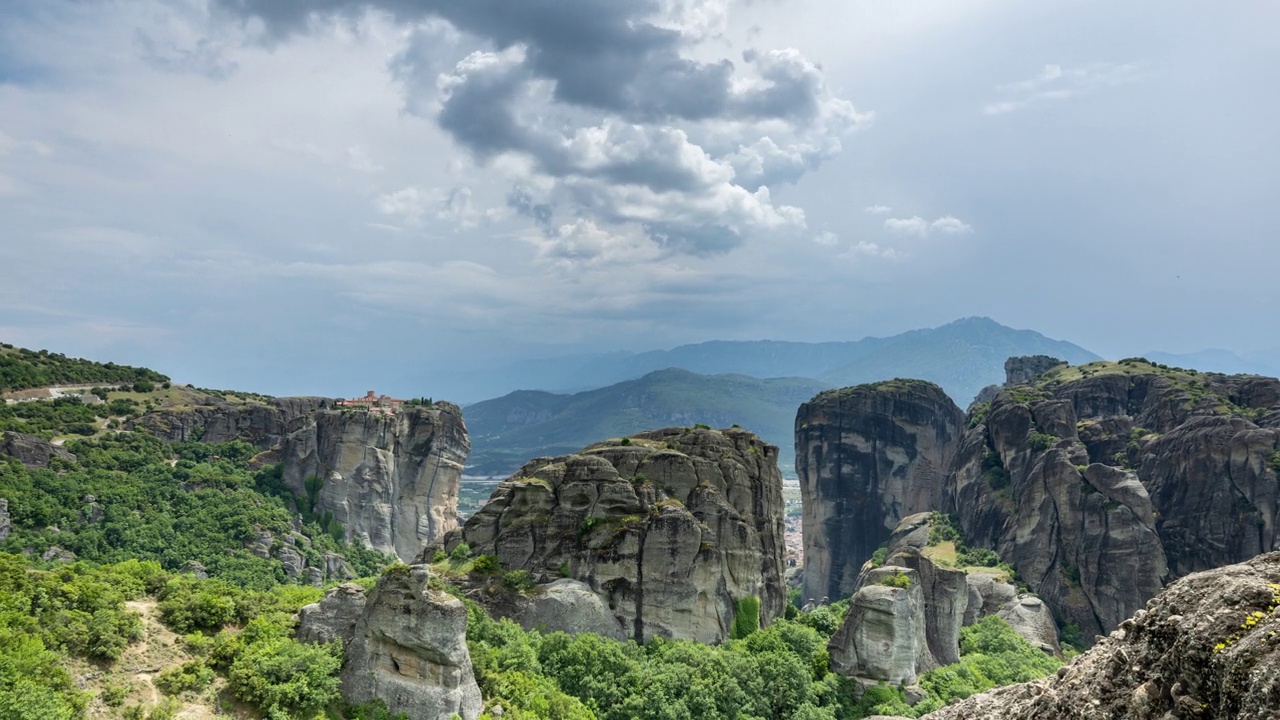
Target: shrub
x=460, y=553
x=486, y=565
x=747, y=618
x=188, y=677
x=1040, y=442
x=144, y=386
x=942, y=529
x=285, y=677
x=897, y=580
x=878, y=557
x=517, y=580
x=625, y=441
x=439, y=557
x=979, y=557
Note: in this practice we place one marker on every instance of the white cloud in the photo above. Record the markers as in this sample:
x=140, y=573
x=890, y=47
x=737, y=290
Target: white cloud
x=878, y=209
x=867, y=249
x=826, y=237
x=414, y=204
x=1055, y=83
x=949, y=225
x=917, y=226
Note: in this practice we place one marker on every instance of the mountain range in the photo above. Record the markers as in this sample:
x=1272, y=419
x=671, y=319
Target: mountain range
x=717, y=383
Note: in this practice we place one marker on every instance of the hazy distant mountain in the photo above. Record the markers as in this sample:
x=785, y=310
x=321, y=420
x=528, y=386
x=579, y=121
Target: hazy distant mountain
x=962, y=357
x=1216, y=360
x=508, y=430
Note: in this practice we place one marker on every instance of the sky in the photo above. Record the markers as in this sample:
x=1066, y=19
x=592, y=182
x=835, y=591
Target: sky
x=315, y=197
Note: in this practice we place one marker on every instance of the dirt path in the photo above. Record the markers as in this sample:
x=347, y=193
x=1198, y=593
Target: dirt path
x=144, y=656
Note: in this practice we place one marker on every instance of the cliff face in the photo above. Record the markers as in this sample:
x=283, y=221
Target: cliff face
x=1204, y=648
x=1098, y=483
x=389, y=479
x=263, y=425
x=867, y=457
x=408, y=646
x=670, y=527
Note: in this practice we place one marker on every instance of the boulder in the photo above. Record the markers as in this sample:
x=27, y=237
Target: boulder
x=31, y=450
x=409, y=649
x=1030, y=618
x=570, y=606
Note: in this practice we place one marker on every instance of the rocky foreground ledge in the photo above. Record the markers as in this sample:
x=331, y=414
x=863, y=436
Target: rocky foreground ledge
x=1208, y=647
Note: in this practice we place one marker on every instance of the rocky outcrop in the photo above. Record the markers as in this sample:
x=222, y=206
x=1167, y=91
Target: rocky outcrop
x=867, y=457
x=905, y=616
x=1027, y=368
x=1204, y=648
x=31, y=450
x=884, y=635
x=568, y=606
x=265, y=425
x=334, y=617
x=409, y=649
x=6, y=523
x=390, y=480
x=671, y=528
x=1098, y=483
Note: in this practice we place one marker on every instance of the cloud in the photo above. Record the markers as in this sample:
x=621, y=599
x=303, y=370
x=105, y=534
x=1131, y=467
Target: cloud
x=867, y=249
x=919, y=227
x=413, y=204
x=1055, y=83
x=878, y=209
x=827, y=238
x=611, y=108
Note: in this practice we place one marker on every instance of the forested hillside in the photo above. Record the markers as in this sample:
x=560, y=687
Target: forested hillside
x=21, y=369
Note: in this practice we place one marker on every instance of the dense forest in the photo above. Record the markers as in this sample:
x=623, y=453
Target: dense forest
x=21, y=369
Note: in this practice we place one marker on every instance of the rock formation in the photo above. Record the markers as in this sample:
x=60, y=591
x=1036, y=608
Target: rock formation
x=409, y=649
x=1098, y=483
x=334, y=617
x=568, y=606
x=671, y=528
x=31, y=450
x=265, y=425
x=6, y=522
x=867, y=457
x=390, y=479
x=906, y=615
x=1028, y=368
x=1203, y=648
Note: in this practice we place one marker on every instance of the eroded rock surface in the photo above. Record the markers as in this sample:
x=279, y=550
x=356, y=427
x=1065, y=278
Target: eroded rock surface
x=867, y=457
x=334, y=617
x=1098, y=483
x=671, y=528
x=265, y=425
x=409, y=649
x=31, y=450
x=1203, y=648
x=389, y=479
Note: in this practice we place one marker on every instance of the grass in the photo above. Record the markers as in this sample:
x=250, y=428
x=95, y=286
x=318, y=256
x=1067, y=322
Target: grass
x=944, y=553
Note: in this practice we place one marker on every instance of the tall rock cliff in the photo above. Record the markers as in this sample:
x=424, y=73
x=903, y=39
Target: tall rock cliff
x=867, y=457
x=390, y=479
x=1098, y=483
x=670, y=527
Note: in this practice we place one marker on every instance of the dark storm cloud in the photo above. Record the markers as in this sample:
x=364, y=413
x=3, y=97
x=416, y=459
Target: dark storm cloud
x=600, y=96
